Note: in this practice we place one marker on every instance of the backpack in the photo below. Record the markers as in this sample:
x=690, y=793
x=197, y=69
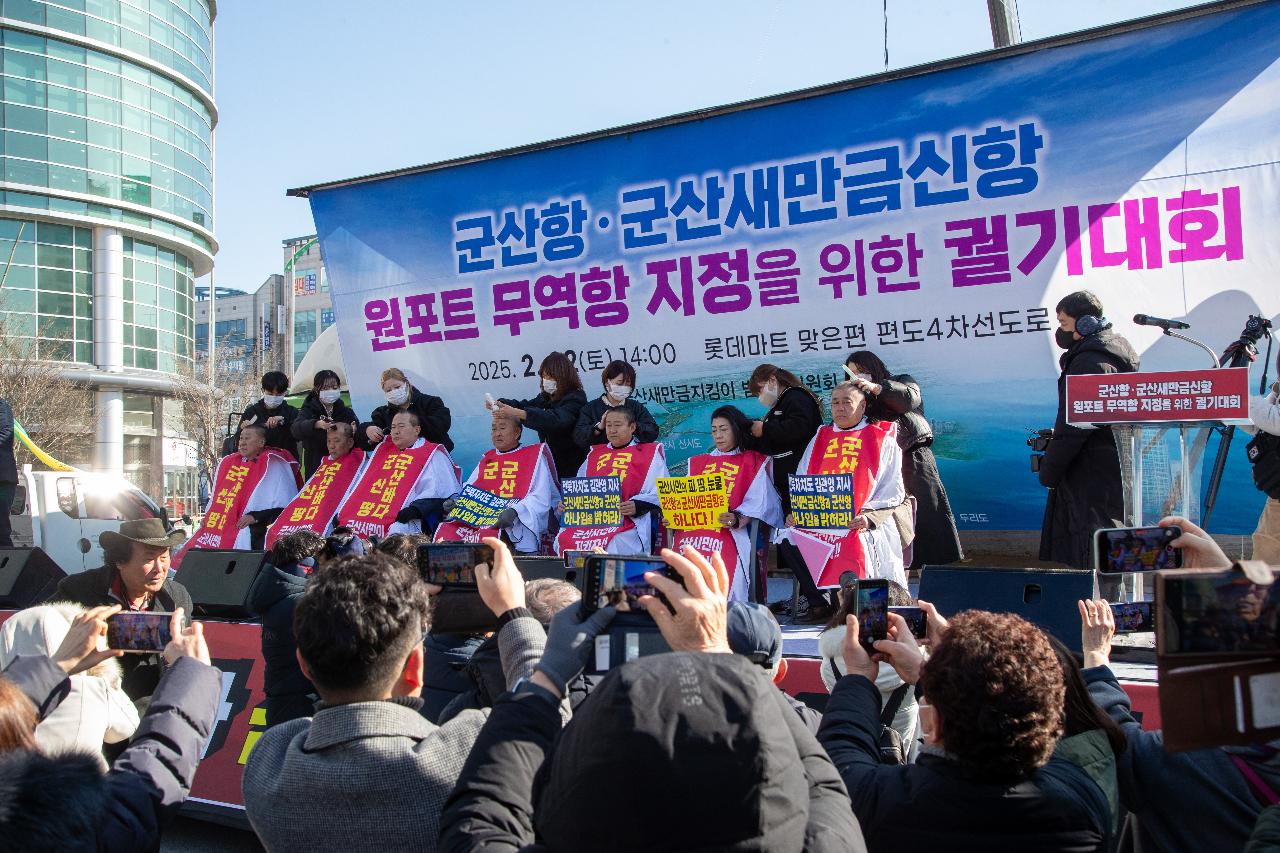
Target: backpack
x=1264, y=455
x=892, y=749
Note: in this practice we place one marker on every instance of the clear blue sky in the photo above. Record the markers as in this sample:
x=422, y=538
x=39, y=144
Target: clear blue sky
x=317, y=90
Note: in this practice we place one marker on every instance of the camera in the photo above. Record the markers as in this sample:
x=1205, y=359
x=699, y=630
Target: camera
x=1254, y=328
x=1039, y=443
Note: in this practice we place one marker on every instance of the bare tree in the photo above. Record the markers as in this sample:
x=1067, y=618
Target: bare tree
x=207, y=409
x=55, y=412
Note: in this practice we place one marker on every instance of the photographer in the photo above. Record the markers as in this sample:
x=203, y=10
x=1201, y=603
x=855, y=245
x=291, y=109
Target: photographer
x=693, y=750
x=1205, y=799
x=1081, y=467
x=1264, y=411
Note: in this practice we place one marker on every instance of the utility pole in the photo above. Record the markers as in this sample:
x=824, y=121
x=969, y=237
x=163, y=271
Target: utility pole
x=1005, y=28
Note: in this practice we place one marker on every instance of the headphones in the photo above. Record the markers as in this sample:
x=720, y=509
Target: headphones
x=1090, y=325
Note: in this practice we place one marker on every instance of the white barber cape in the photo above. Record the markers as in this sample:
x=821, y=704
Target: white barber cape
x=533, y=509
x=438, y=479
x=639, y=539
x=275, y=490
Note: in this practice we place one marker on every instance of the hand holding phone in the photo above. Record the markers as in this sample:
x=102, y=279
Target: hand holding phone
x=1132, y=617
x=873, y=612
x=451, y=565
x=1137, y=549
x=142, y=633
x=917, y=620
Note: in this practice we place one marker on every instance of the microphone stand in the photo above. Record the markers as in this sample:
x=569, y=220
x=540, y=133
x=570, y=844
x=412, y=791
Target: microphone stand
x=1213, y=356
x=1241, y=357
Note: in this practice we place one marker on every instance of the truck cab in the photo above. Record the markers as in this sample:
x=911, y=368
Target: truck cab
x=64, y=513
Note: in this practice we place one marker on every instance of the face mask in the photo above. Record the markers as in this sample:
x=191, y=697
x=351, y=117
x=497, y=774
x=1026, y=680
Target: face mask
x=1064, y=338
x=329, y=397
x=768, y=394
x=398, y=396
x=619, y=392
x=549, y=386
x=272, y=401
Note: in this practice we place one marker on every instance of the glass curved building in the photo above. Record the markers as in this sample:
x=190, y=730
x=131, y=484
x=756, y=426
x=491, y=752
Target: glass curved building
x=106, y=188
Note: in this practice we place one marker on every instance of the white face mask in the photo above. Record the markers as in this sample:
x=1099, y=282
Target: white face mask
x=549, y=386
x=272, y=401
x=330, y=396
x=398, y=396
x=619, y=392
x=769, y=394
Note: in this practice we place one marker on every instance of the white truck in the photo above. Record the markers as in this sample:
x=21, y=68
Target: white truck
x=64, y=513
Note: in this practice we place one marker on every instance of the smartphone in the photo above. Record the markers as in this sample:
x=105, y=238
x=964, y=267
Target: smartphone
x=873, y=611
x=1133, y=616
x=1217, y=613
x=917, y=620
x=1136, y=549
x=452, y=565
x=139, y=632
x=619, y=581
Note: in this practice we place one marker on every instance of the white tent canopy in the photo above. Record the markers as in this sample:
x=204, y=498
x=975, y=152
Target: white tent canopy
x=324, y=353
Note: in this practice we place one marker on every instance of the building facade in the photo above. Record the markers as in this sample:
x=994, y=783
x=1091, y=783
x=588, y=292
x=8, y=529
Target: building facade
x=248, y=326
x=313, y=306
x=106, y=206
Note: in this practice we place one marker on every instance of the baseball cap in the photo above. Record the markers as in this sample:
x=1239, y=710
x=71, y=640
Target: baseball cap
x=755, y=634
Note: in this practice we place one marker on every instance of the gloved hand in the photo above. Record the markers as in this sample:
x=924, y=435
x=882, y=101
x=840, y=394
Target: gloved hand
x=507, y=518
x=570, y=642
x=448, y=505
x=407, y=515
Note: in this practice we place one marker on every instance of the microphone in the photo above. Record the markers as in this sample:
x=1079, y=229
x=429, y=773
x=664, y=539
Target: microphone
x=1144, y=320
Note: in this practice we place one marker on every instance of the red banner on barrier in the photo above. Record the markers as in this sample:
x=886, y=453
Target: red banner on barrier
x=1173, y=395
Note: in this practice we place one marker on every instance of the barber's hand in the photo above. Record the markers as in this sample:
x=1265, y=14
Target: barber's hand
x=570, y=642
x=935, y=625
x=627, y=508
x=186, y=642
x=856, y=659
x=901, y=650
x=373, y=433
x=1199, y=551
x=1097, y=627
x=757, y=429
x=502, y=585
x=507, y=518
x=867, y=387
x=407, y=515
x=502, y=410
x=246, y=520
x=274, y=421
x=79, y=649
x=859, y=522
x=700, y=622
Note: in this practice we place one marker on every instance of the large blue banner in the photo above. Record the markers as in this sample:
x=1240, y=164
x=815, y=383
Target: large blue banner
x=933, y=219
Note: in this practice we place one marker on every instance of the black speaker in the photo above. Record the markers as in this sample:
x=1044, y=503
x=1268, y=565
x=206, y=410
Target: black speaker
x=219, y=581
x=1045, y=597
x=28, y=576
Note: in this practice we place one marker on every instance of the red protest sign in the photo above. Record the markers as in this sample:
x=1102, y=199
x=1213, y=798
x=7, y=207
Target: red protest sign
x=1173, y=395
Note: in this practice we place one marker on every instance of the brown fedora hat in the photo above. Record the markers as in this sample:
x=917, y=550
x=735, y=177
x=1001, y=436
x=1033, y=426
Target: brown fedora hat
x=144, y=531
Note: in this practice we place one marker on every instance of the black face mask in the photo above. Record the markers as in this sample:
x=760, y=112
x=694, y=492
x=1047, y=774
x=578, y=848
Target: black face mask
x=1064, y=338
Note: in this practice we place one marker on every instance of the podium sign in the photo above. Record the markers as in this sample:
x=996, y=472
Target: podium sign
x=1168, y=396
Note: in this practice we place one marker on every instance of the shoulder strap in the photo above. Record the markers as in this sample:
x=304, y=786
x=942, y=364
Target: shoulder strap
x=896, y=698
x=1264, y=792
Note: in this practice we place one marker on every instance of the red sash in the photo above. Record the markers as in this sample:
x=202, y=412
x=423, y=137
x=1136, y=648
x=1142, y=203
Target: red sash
x=855, y=452
x=739, y=473
x=381, y=491
x=315, y=505
x=232, y=487
x=631, y=464
x=507, y=475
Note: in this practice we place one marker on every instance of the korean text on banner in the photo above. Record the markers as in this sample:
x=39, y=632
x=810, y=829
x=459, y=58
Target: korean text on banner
x=478, y=508
x=592, y=502
x=821, y=501
x=693, y=503
x=1220, y=394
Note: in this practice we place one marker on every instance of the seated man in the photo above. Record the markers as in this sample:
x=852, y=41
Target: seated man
x=251, y=488
x=872, y=547
x=335, y=476
x=722, y=760
x=526, y=474
x=987, y=777
x=638, y=466
x=368, y=771
x=135, y=575
x=404, y=484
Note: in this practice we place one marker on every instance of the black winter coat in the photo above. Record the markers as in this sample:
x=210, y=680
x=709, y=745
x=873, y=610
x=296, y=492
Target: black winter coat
x=65, y=802
x=281, y=436
x=444, y=676
x=585, y=433
x=937, y=803
x=554, y=422
x=432, y=412
x=488, y=680
x=314, y=442
x=92, y=588
x=937, y=541
x=1081, y=467
x=273, y=597
x=8, y=464
x=789, y=426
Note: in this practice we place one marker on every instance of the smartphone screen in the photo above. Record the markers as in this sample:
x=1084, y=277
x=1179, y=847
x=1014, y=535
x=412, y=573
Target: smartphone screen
x=619, y=581
x=917, y=620
x=873, y=610
x=138, y=632
x=1133, y=616
x=1137, y=549
x=452, y=565
x=1218, y=613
